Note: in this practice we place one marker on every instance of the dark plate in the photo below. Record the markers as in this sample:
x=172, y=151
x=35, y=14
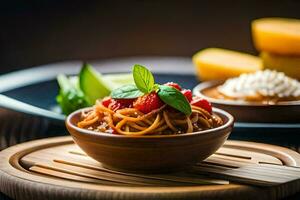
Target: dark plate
x=281, y=112
x=37, y=86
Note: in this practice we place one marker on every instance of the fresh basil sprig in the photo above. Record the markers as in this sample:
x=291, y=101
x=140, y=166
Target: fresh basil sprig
x=174, y=98
x=143, y=79
x=126, y=92
x=145, y=84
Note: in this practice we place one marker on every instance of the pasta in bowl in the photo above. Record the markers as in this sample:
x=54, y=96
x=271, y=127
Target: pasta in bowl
x=161, y=121
x=156, y=130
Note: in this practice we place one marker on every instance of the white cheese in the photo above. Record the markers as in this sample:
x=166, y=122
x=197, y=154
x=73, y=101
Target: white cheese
x=265, y=83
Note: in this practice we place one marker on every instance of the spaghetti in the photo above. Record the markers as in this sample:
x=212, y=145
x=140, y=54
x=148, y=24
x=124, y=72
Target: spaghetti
x=161, y=121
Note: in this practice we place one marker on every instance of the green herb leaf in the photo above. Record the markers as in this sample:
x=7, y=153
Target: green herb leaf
x=175, y=99
x=126, y=92
x=70, y=97
x=143, y=78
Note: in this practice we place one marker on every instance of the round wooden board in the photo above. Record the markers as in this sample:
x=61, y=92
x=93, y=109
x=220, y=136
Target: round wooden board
x=18, y=182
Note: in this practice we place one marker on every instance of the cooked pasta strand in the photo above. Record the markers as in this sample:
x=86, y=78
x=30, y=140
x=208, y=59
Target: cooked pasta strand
x=88, y=122
x=189, y=125
x=146, y=131
x=169, y=123
x=130, y=121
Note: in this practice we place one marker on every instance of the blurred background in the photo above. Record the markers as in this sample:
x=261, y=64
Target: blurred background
x=36, y=32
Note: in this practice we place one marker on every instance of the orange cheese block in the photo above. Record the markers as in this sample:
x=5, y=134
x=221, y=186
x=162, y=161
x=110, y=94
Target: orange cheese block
x=221, y=64
x=290, y=65
x=277, y=35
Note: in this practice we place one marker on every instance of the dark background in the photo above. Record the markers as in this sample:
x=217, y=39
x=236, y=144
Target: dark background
x=34, y=32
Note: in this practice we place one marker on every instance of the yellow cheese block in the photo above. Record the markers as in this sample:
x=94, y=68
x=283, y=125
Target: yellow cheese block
x=277, y=35
x=221, y=64
x=290, y=65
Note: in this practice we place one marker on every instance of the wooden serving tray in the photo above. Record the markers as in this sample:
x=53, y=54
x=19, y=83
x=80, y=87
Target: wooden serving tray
x=57, y=169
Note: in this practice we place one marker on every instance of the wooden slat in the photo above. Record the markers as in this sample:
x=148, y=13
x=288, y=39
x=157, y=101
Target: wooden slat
x=178, y=177
x=71, y=177
x=235, y=164
x=262, y=175
x=253, y=156
x=79, y=172
x=58, y=169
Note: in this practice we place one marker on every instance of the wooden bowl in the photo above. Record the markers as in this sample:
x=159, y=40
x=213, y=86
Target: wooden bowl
x=282, y=112
x=148, y=154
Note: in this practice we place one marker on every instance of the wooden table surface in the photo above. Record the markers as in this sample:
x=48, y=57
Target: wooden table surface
x=17, y=138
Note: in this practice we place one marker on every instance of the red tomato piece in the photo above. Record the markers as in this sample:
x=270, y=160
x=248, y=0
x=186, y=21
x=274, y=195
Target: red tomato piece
x=117, y=104
x=174, y=85
x=188, y=94
x=106, y=101
x=202, y=103
x=148, y=102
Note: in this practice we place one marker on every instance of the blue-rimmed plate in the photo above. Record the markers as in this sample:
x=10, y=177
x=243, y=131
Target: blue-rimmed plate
x=37, y=86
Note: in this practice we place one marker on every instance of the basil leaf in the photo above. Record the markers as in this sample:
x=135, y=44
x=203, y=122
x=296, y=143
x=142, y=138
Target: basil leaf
x=70, y=97
x=175, y=99
x=126, y=92
x=143, y=78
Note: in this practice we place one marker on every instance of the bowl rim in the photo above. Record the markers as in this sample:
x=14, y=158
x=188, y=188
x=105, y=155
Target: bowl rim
x=197, y=91
x=228, y=124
